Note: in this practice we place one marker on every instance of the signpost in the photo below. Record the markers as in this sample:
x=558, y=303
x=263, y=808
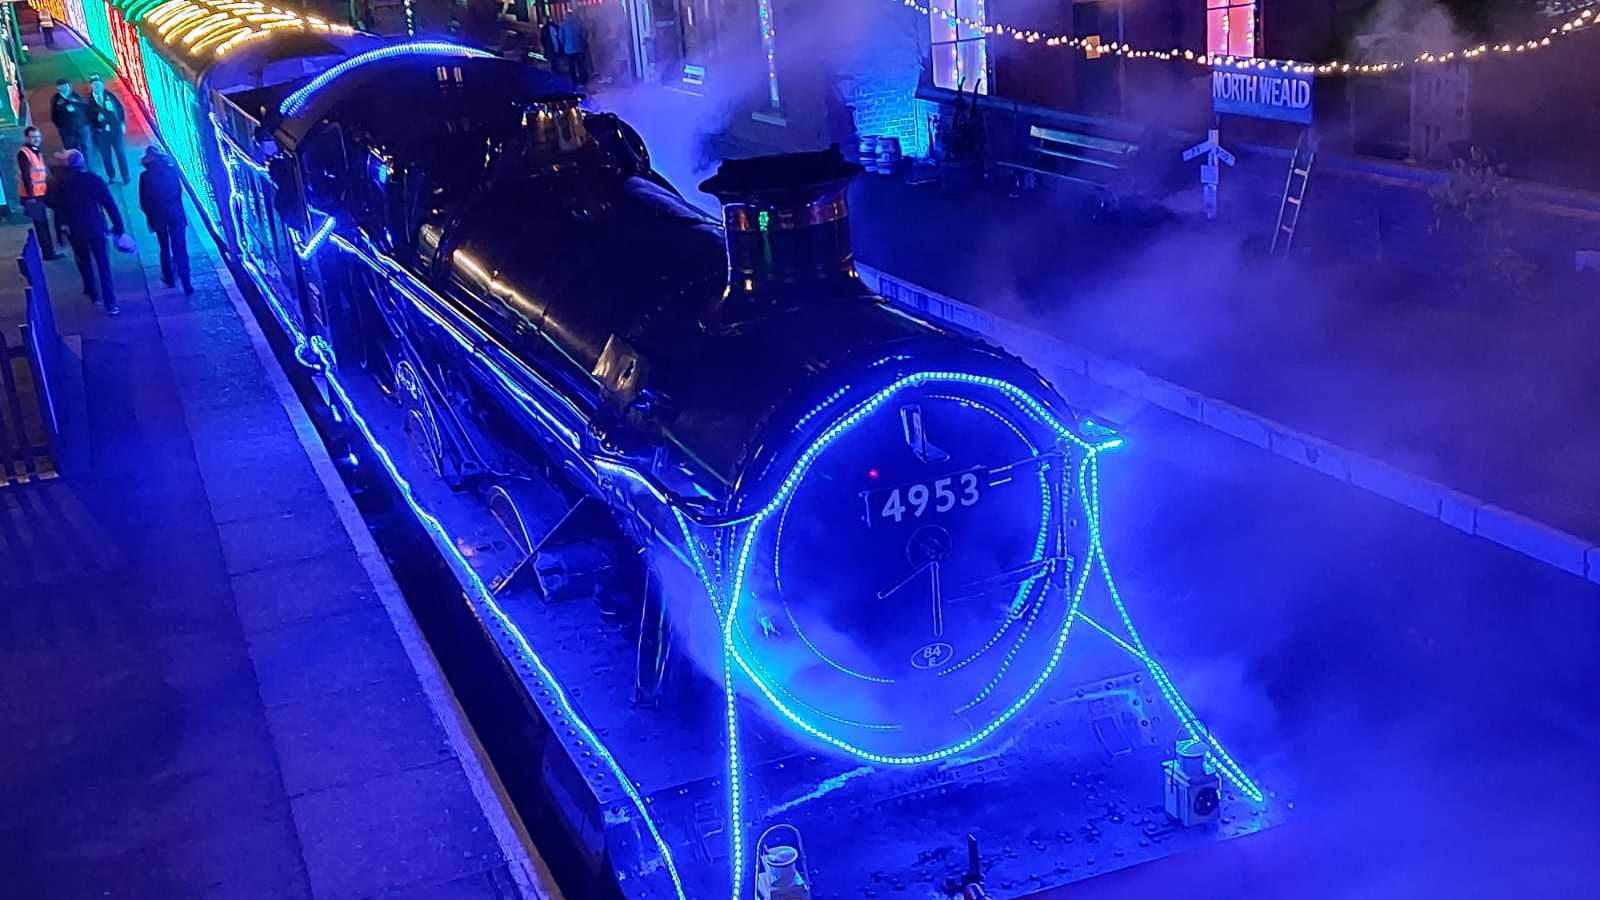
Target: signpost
x=1260, y=91
x=1210, y=173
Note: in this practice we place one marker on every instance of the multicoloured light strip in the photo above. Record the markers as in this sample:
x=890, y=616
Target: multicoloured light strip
x=296, y=102
x=209, y=29
x=1086, y=45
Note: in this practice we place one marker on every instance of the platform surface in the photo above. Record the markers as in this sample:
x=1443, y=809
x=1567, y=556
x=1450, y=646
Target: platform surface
x=205, y=688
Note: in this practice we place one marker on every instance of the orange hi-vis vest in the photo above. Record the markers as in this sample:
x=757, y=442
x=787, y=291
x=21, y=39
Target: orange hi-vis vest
x=32, y=185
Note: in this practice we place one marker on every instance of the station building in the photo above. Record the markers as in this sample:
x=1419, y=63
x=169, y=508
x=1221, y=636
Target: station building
x=803, y=73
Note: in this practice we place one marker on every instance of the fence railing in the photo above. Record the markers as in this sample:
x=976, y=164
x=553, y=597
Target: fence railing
x=30, y=424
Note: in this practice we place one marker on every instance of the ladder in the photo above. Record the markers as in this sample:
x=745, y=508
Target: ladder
x=1294, y=193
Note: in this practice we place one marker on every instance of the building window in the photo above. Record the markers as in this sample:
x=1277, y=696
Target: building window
x=1231, y=27
x=960, y=54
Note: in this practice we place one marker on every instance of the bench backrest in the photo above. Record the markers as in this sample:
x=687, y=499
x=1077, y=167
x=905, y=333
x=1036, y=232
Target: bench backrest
x=1048, y=136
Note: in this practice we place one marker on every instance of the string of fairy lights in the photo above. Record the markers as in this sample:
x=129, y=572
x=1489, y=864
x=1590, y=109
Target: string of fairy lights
x=1579, y=21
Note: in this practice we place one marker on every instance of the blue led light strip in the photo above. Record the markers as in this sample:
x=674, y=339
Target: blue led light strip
x=732, y=647
x=1090, y=492
x=296, y=102
x=317, y=237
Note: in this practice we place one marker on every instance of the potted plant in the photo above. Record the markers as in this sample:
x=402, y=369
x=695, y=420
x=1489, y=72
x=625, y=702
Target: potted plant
x=958, y=139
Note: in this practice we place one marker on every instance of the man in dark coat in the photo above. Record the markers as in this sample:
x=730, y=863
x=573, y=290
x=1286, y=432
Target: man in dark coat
x=110, y=122
x=70, y=114
x=161, y=198
x=83, y=203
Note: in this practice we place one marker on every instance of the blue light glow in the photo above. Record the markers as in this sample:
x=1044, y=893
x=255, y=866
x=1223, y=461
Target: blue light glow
x=296, y=102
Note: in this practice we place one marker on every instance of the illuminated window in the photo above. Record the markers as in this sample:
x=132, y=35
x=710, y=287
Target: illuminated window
x=1231, y=27
x=960, y=55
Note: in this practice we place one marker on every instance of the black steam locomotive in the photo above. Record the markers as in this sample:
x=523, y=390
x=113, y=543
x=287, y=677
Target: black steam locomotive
x=867, y=537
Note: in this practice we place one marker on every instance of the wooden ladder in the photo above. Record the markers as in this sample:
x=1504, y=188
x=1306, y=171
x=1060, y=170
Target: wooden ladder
x=1294, y=193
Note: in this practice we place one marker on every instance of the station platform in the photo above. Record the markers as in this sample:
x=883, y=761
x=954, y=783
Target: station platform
x=209, y=681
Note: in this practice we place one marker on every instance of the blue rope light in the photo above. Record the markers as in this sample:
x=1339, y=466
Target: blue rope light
x=296, y=102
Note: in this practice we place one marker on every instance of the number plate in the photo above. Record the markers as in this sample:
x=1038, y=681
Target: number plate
x=927, y=499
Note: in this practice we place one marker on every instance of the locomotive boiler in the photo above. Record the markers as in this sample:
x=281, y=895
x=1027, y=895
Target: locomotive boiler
x=867, y=536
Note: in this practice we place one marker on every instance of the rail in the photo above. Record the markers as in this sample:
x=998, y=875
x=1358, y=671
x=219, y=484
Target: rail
x=28, y=442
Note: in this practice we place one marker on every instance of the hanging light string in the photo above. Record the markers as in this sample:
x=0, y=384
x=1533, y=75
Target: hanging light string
x=1576, y=23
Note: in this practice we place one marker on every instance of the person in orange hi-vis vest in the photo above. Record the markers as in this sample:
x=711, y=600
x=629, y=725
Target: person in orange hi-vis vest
x=33, y=179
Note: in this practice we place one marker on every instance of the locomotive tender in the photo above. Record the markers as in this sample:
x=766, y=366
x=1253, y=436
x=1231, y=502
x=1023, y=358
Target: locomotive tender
x=870, y=537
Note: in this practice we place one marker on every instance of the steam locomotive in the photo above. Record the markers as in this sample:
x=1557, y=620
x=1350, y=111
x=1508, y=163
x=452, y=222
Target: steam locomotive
x=868, y=536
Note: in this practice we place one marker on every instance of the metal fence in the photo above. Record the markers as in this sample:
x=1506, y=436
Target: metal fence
x=30, y=426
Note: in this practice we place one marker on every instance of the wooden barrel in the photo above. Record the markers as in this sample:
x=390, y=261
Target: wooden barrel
x=889, y=155
x=867, y=155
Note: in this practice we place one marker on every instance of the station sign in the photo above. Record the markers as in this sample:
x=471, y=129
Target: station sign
x=1262, y=94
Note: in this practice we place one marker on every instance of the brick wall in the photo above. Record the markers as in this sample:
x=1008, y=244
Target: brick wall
x=879, y=74
x=888, y=106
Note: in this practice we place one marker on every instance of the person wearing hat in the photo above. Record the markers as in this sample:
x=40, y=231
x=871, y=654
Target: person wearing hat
x=70, y=114
x=110, y=122
x=161, y=198
x=83, y=204
x=33, y=186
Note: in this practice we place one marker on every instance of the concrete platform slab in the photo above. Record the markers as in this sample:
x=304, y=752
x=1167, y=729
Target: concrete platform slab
x=369, y=838
x=293, y=592
x=327, y=654
x=350, y=736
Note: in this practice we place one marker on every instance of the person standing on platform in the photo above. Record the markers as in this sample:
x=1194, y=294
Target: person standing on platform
x=161, y=198
x=33, y=186
x=83, y=204
x=70, y=114
x=47, y=28
x=550, y=43
x=110, y=122
x=575, y=49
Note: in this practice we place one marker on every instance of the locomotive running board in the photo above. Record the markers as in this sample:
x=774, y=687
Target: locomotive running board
x=586, y=520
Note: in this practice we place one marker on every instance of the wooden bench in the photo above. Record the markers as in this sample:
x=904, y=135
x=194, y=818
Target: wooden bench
x=1075, y=156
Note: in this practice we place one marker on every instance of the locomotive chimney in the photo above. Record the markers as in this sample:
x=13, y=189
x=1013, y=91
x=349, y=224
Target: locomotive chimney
x=788, y=233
